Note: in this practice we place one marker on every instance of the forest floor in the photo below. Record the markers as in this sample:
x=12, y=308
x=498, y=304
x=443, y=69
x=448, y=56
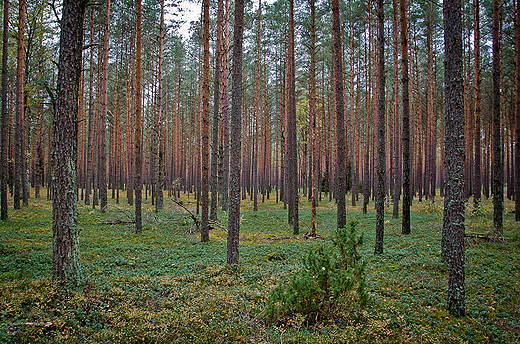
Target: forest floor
x=165, y=286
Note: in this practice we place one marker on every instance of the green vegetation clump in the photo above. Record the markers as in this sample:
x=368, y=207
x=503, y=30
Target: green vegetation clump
x=328, y=282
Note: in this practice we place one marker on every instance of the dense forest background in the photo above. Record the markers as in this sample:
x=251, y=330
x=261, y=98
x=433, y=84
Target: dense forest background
x=264, y=128
x=284, y=111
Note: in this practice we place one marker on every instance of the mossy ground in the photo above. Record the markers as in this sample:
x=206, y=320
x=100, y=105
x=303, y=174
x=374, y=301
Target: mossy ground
x=165, y=286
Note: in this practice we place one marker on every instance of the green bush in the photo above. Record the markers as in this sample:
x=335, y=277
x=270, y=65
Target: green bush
x=329, y=281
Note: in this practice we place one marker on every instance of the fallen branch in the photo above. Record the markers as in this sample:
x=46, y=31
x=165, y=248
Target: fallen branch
x=196, y=220
x=116, y=222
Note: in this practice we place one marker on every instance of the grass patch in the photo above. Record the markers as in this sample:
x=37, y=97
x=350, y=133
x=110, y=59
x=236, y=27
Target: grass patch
x=165, y=286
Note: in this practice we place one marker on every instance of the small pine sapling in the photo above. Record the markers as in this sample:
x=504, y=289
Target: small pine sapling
x=328, y=282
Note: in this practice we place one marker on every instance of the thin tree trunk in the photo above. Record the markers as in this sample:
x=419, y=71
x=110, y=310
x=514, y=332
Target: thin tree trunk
x=292, y=154
x=312, y=120
x=159, y=201
x=103, y=119
x=137, y=153
x=5, y=114
x=224, y=192
x=19, y=151
x=204, y=230
x=406, y=121
x=517, y=113
x=397, y=167
x=380, y=196
x=498, y=167
x=478, y=79
x=216, y=108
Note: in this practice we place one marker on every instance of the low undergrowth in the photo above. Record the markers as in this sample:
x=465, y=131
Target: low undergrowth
x=165, y=286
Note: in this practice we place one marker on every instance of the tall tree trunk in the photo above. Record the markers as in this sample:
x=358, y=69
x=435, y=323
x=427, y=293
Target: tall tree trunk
x=380, y=196
x=406, y=121
x=159, y=201
x=258, y=108
x=216, y=108
x=397, y=167
x=4, y=128
x=478, y=79
x=454, y=156
x=90, y=112
x=204, y=230
x=498, y=167
x=312, y=120
x=225, y=114
x=66, y=256
x=340, y=181
x=517, y=113
x=292, y=154
x=103, y=119
x=138, y=98
x=236, y=126
x=19, y=150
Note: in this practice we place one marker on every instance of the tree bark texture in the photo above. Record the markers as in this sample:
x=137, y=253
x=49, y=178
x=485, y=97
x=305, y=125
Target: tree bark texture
x=498, y=166
x=138, y=187
x=380, y=193
x=236, y=135
x=66, y=255
x=341, y=176
x=204, y=230
x=313, y=113
x=517, y=113
x=4, y=126
x=292, y=154
x=407, y=199
x=454, y=156
x=478, y=79
x=103, y=119
x=216, y=108
x=19, y=150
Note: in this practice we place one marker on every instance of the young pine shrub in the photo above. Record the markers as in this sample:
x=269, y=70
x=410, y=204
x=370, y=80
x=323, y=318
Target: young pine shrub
x=329, y=282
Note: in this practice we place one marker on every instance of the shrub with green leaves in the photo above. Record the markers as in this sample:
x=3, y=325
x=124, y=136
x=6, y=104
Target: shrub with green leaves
x=329, y=281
